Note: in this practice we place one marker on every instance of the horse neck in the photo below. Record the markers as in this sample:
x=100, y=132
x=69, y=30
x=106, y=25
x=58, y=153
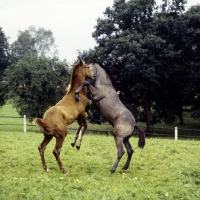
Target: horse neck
x=102, y=76
x=76, y=80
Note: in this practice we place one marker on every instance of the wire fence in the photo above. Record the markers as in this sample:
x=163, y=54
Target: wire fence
x=175, y=132
x=25, y=125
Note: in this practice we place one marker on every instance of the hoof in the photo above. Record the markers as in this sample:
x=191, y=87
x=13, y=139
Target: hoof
x=65, y=171
x=77, y=97
x=78, y=147
x=46, y=169
x=124, y=168
x=112, y=171
x=72, y=144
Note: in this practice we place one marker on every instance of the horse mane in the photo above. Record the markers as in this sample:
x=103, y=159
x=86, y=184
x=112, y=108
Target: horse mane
x=72, y=80
x=108, y=72
x=68, y=88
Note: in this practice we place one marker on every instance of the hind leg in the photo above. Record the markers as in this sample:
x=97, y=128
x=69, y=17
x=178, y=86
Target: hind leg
x=129, y=152
x=77, y=132
x=56, y=152
x=42, y=147
x=120, y=152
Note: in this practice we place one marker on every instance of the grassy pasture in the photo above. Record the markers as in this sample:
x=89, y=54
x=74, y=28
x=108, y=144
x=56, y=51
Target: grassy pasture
x=164, y=169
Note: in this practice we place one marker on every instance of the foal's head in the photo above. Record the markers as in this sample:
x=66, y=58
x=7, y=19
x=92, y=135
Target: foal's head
x=79, y=73
x=84, y=70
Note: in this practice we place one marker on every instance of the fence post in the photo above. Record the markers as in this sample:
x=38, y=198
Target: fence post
x=176, y=133
x=24, y=123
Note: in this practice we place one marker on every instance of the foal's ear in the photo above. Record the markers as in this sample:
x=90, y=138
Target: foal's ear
x=73, y=65
x=81, y=62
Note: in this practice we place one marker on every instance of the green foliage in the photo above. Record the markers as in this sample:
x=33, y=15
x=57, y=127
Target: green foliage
x=4, y=51
x=3, y=91
x=4, y=62
x=180, y=31
x=36, y=83
x=164, y=169
x=128, y=48
x=193, y=19
x=152, y=55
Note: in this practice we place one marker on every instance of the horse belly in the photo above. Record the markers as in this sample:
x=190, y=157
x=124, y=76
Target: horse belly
x=124, y=125
x=117, y=115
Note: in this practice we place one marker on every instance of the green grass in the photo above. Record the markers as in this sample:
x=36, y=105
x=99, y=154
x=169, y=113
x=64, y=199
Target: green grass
x=164, y=169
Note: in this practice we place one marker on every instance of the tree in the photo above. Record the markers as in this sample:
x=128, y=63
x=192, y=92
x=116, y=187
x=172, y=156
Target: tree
x=182, y=33
x=34, y=42
x=125, y=40
x=148, y=52
x=4, y=51
x=192, y=52
x=4, y=62
x=37, y=83
x=3, y=91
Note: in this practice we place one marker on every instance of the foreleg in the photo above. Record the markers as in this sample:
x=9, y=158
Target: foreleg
x=96, y=95
x=86, y=83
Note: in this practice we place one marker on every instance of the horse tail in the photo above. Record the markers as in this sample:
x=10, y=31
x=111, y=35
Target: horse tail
x=43, y=125
x=141, y=141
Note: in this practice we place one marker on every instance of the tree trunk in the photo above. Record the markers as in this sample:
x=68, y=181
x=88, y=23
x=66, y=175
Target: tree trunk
x=148, y=114
x=180, y=116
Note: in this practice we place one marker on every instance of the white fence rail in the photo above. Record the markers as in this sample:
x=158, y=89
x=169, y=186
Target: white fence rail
x=158, y=131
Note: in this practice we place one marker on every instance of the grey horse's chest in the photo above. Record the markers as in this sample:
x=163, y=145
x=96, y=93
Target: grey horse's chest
x=110, y=107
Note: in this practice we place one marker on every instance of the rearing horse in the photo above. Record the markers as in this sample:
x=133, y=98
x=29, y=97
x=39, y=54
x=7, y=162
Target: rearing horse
x=65, y=112
x=113, y=110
